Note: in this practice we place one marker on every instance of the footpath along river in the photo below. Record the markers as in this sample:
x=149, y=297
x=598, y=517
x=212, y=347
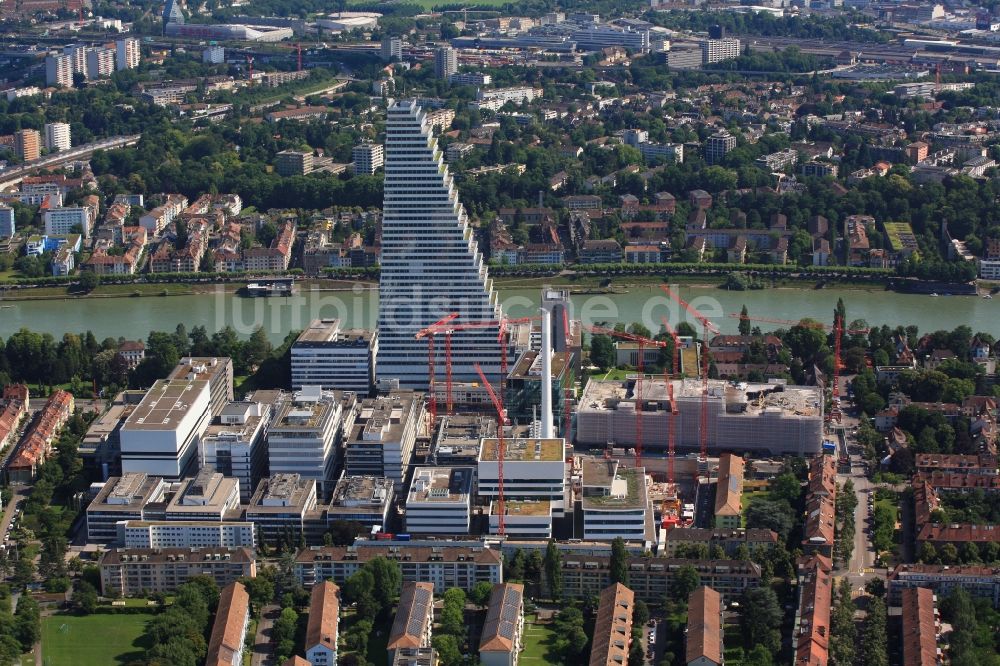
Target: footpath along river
x=134, y=317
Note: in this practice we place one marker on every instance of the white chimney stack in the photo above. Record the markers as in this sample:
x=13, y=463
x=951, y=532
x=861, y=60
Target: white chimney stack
x=546, y=352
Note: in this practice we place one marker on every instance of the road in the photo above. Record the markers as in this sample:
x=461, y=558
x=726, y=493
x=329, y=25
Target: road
x=262, y=642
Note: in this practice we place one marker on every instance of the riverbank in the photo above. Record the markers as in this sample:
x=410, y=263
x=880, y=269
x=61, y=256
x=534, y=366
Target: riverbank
x=141, y=289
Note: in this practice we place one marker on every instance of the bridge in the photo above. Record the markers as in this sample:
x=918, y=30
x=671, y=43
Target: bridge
x=14, y=175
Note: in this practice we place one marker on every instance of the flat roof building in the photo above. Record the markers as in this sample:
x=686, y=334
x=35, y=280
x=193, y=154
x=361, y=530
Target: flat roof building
x=383, y=436
x=533, y=469
x=126, y=572
x=322, y=627
x=613, y=627
x=459, y=437
x=414, y=618
x=161, y=434
x=236, y=444
x=615, y=502
x=281, y=505
x=121, y=498
x=334, y=358
x=216, y=370
x=229, y=631
x=501, y=640
x=186, y=534
x=523, y=519
x=361, y=499
x=729, y=492
x=425, y=656
x=761, y=419
x=703, y=639
x=304, y=435
x=439, y=501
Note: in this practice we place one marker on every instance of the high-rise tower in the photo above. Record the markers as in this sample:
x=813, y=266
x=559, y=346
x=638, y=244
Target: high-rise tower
x=430, y=265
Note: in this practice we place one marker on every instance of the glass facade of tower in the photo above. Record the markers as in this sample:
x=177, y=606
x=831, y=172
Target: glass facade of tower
x=430, y=265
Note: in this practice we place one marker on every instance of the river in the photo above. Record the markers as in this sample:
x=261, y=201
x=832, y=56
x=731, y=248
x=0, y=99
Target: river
x=134, y=317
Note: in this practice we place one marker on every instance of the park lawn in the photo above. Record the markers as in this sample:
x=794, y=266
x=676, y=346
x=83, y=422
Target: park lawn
x=93, y=640
x=538, y=640
x=617, y=374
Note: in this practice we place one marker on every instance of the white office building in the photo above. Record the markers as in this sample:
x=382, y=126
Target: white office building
x=161, y=435
x=59, y=71
x=324, y=355
x=236, y=446
x=381, y=439
x=533, y=469
x=431, y=264
x=439, y=500
x=57, y=136
x=615, y=502
x=127, y=53
x=186, y=534
x=304, y=435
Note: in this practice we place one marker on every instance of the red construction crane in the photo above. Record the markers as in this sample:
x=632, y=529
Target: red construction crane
x=429, y=333
x=298, y=49
x=671, y=430
x=835, y=392
x=806, y=323
x=501, y=450
x=640, y=365
x=706, y=327
x=250, y=66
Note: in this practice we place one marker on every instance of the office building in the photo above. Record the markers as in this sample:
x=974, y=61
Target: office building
x=8, y=225
x=439, y=501
x=281, y=507
x=186, y=534
x=597, y=37
x=27, y=144
x=57, y=136
x=361, y=499
x=123, y=498
x=59, y=71
x=613, y=626
x=431, y=264
x=533, y=469
x=100, y=62
x=304, y=435
x=501, y=641
x=523, y=519
x=127, y=572
x=443, y=564
x=217, y=371
x=615, y=502
x=334, y=358
x=729, y=492
x=381, y=440
x=161, y=435
x=293, y=162
x=717, y=145
x=206, y=496
x=392, y=48
x=367, y=158
x=172, y=14
x=703, y=636
x=768, y=419
x=323, y=624
x=127, y=53
x=236, y=445
x=414, y=618
x=229, y=631
x=445, y=62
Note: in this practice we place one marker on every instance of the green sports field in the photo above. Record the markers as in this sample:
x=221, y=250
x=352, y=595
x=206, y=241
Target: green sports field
x=93, y=640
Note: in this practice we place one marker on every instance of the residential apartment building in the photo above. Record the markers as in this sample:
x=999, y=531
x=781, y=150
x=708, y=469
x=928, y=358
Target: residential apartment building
x=304, y=435
x=127, y=53
x=477, y=79
x=445, y=565
x=368, y=158
x=414, y=618
x=717, y=145
x=186, y=534
x=69, y=220
x=716, y=50
x=681, y=539
x=703, y=636
x=57, y=137
x=440, y=500
x=229, y=630
x=392, y=48
x=982, y=582
x=325, y=355
x=8, y=225
x=293, y=162
x=613, y=627
x=127, y=572
x=59, y=71
x=27, y=144
x=323, y=625
x=502, y=638
x=277, y=256
x=445, y=62
x=729, y=492
x=382, y=437
x=811, y=632
x=921, y=627
x=100, y=62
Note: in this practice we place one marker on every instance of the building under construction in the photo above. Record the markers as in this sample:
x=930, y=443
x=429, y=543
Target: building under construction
x=762, y=419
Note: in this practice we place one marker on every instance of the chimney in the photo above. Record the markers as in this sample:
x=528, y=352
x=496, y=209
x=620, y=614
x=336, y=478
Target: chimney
x=546, y=352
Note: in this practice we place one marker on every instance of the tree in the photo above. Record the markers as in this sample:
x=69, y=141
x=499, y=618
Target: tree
x=480, y=594
x=452, y=618
x=89, y=280
x=27, y=622
x=85, y=597
x=875, y=641
x=553, y=569
x=744, y=325
x=602, y=351
x=448, y=649
x=387, y=579
x=640, y=614
x=760, y=619
x=685, y=581
x=619, y=562
x=770, y=514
